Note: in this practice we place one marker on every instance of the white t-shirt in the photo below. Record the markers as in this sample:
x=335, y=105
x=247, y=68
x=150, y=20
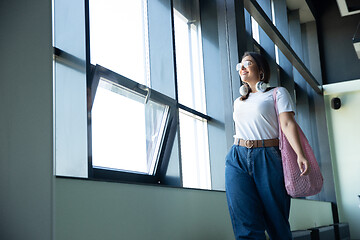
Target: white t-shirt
x=255, y=118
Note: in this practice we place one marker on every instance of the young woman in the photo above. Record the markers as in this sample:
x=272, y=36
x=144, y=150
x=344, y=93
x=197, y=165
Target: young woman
x=255, y=189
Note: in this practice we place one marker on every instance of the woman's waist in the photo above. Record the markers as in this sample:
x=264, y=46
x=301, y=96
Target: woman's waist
x=256, y=132
x=256, y=143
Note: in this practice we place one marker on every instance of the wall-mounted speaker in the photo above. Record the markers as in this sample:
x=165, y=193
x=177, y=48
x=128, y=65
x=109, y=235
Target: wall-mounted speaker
x=335, y=103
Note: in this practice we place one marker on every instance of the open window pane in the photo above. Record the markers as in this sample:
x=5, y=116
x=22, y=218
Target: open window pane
x=188, y=48
x=126, y=131
x=119, y=37
x=194, y=151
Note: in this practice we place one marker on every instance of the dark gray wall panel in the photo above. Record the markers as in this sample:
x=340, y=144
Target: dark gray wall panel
x=215, y=101
x=340, y=62
x=26, y=127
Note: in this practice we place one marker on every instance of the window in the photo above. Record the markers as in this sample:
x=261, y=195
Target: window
x=141, y=76
x=255, y=30
x=120, y=118
x=119, y=37
x=132, y=125
x=190, y=75
x=129, y=121
x=128, y=126
x=130, y=86
x=194, y=151
x=191, y=93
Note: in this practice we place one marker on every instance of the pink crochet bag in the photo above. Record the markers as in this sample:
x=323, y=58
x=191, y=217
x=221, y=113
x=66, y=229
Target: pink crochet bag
x=296, y=185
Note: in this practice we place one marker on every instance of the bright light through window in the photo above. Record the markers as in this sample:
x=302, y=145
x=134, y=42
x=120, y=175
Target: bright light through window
x=194, y=151
x=273, y=13
x=189, y=63
x=126, y=131
x=274, y=22
x=255, y=30
x=277, y=54
x=119, y=37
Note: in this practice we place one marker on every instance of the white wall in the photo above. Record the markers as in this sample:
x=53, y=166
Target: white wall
x=344, y=133
x=305, y=214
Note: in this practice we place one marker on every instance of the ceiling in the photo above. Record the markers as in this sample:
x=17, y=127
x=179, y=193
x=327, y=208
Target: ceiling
x=348, y=7
x=304, y=10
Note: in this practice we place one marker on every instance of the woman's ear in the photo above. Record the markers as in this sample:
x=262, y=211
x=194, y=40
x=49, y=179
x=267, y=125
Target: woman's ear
x=262, y=76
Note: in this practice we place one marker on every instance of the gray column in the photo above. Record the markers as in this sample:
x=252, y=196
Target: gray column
x=249, y=38
x=268, y=45
x=281, y=22
x=320, y=136
x=265, y=41
x=215, y=105
x=302, y=101
x=312, y=59
x=232, y=45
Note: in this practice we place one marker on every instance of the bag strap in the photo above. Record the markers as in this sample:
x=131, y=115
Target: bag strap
x=274, y=97
x=277, y=113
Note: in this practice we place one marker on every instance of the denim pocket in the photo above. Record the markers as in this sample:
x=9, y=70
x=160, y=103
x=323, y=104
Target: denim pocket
x=230, y=153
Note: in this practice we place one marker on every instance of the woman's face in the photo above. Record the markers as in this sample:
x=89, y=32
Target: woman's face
x=249, y=71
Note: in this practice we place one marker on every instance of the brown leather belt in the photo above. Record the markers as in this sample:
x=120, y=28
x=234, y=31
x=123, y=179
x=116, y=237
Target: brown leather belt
x=257, y=143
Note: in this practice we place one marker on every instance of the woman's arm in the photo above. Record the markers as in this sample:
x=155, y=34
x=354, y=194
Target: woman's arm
x=289, y=128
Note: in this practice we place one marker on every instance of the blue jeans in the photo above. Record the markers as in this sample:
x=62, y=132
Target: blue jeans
x=256, y=193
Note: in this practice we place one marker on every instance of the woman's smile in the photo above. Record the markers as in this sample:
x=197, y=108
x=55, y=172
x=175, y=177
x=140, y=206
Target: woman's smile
x=243, y=72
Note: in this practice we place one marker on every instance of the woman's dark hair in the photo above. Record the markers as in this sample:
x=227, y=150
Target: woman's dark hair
x=263, y=66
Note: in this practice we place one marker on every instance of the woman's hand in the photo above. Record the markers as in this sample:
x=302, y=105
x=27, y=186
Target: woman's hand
x=303, y=166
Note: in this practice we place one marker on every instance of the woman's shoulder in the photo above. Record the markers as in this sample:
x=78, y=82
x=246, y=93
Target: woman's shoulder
x=278, y=90
x=282, y=94
x=281, y=90
x=237, y=101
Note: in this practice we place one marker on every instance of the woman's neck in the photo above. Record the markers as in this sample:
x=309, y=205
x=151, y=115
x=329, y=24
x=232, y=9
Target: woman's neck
x=253, y=86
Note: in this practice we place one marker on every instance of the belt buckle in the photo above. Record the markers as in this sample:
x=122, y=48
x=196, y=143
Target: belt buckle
x=249, y=143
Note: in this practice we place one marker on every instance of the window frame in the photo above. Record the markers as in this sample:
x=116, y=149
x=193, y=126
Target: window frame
x=98, y=72
x=170, y=173
x=93, y=74
x=192, y=111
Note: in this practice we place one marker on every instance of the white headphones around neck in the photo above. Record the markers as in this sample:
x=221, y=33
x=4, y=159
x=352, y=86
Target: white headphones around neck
x=260, y=87
x=243, y=90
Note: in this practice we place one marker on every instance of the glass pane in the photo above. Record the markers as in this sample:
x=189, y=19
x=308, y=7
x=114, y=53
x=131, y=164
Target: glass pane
x=255, y=30
x=119, y=37
x=189, y=58
x=194, y=151
x=274, y=22
x=69, y=27
x=277, y=54
x=71, y=150
x=273, y=12
x=126, y=132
